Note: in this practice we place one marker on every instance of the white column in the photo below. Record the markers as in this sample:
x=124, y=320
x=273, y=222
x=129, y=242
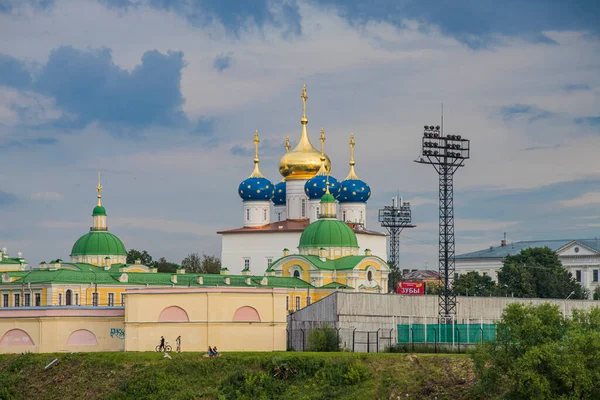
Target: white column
x=355, y=213
x=257, y=213
x=296, y=199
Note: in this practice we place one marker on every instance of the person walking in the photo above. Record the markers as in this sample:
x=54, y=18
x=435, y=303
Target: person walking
x=162, y=344
x=178, y=344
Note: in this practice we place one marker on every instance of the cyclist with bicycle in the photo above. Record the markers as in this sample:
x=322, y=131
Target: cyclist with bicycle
x=161, y=346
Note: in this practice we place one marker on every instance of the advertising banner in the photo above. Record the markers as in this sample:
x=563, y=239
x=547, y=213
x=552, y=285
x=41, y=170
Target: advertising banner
x=411, y=288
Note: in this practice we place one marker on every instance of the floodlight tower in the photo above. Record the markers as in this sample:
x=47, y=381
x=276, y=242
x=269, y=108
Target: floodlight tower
x=395, y=218
x=446, y=153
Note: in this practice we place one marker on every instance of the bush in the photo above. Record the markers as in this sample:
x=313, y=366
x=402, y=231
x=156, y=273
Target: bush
x=597, y=293
x=323, y=339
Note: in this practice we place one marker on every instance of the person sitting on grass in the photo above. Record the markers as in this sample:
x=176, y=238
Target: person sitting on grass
x=215, y=352
x=209, y=353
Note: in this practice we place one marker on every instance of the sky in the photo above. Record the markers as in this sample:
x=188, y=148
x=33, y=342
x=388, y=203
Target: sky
x=163, y=97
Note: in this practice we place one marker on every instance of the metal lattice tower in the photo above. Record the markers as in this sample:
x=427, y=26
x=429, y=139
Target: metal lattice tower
x=395, y=218
x=446, y=154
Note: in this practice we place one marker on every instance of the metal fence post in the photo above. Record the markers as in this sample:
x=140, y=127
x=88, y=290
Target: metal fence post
x=390, y=339
x=481, y=329
x=302, y=330
x=412, y=339
x=287, y=336
x=337, y=345
x=378, y=339
x=368, y=342
x=458, y=337
x=353, y=339
x=435, y=338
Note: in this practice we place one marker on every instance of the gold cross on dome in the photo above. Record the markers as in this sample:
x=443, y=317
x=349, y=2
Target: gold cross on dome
x=99, y=189
x=304, y=97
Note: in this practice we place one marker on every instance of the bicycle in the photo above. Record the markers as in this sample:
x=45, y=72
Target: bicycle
x=167, y=348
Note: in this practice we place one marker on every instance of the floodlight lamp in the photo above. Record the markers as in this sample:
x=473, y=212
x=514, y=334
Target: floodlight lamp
x=437, y=128
x=426, y=127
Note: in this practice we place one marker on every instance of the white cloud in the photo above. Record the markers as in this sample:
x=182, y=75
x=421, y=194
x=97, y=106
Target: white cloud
x=165, y=225
x=47, y=196
x=585, y=199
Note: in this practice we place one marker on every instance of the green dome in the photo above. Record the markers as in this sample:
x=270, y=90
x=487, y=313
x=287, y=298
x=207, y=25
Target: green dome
x=327, y=198
x=98, y=243
x=328, y=233
x=99, y=210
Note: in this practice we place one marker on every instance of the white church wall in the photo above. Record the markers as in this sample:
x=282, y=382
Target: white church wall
x=377, y=244
x=257, y=247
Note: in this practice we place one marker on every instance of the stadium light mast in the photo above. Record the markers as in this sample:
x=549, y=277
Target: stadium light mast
x=446, y=153
x=395, y=218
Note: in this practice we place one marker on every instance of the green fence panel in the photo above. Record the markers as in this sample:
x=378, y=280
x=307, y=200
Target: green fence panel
x=403, y=333
x=446, y=333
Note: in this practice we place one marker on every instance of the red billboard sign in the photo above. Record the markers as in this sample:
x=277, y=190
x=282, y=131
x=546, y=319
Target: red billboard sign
x=411, y=288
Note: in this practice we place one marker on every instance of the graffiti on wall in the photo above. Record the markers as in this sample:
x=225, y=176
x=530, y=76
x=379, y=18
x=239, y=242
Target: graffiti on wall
x=117, y=333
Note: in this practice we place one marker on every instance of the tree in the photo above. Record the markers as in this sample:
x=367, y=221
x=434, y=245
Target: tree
x=540, y=354
x=473, y=284
x=201, y=265
x=434, y=288
x=537, y=272
x=597, y=293
x=143, y=256
x=394, y=277
x=165, y=266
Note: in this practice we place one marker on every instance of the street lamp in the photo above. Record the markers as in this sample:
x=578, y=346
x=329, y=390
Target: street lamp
x=565, y=308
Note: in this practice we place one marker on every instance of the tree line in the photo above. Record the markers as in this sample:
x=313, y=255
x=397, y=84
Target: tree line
x=533, y=273
x=193, y=263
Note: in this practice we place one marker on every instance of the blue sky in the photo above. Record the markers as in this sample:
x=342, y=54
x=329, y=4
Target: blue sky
x=163, y=98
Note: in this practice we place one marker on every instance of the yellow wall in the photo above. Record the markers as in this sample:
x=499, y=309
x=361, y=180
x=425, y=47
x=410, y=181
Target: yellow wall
x=50, y=334
x=210, y=313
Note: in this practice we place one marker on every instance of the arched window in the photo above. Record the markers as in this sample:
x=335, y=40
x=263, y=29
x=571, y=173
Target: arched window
x=296, y=274
x=303, y=208
x=369, y=276
x=173, y=314
x=246, y=314
x=344, y=216
x=247, y=214
x=16, y=337
x=82, y=337
x=69, y=298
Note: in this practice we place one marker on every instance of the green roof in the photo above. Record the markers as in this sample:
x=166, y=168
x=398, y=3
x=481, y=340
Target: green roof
x=98, y=243
x=328, y=232
x=336, y=285
x=327, y=198
x=6, y=260
x=98, y=210
x=100, y=276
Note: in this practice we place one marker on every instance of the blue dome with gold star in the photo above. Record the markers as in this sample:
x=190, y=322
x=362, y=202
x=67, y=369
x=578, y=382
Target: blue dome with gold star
x=279, y=195
x=259, y=189
x=354, y=191
x=316, y=187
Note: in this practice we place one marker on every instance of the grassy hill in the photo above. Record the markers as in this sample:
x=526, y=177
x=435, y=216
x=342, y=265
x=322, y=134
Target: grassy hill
x=235, y=376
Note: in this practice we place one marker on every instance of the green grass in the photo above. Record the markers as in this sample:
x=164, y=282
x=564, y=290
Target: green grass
x=289, y=375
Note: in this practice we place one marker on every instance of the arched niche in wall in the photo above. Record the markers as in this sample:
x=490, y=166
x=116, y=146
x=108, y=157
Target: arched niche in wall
x=16, y=337
x=82, y=337
x=246, y=314
x=173, y=314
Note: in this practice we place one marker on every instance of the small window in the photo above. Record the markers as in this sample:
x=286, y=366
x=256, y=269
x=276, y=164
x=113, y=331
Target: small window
x=344, y=216
x=269, y=261
x=595, y=275
x=297, y=302
x=27, y=300
x=247, y=214
x=278, y=216
x=317, y=211
x=296, y=274
x=17, y=300
x=303, y=208
x=287, y=302
x=95, y=299
x=308, y=300
x=5, y=300
x=38, y=299
x=578, y=276
x=369, y=276
x=122, y=299
x=60, y=299
x=111, y=299
x=246, y=263
x=264, y=215
x=362, y=217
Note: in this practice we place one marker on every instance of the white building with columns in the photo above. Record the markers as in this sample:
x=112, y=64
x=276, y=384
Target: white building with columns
x=581, y=257
x=274, y=216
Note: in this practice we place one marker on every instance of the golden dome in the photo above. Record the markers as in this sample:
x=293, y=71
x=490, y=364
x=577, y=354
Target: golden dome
x=304, y=161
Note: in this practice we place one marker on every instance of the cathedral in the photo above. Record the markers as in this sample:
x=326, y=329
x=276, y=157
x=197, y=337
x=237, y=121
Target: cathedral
x=309, y=225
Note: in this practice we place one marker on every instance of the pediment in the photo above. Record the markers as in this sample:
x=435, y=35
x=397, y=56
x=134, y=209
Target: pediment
x=575, y=249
